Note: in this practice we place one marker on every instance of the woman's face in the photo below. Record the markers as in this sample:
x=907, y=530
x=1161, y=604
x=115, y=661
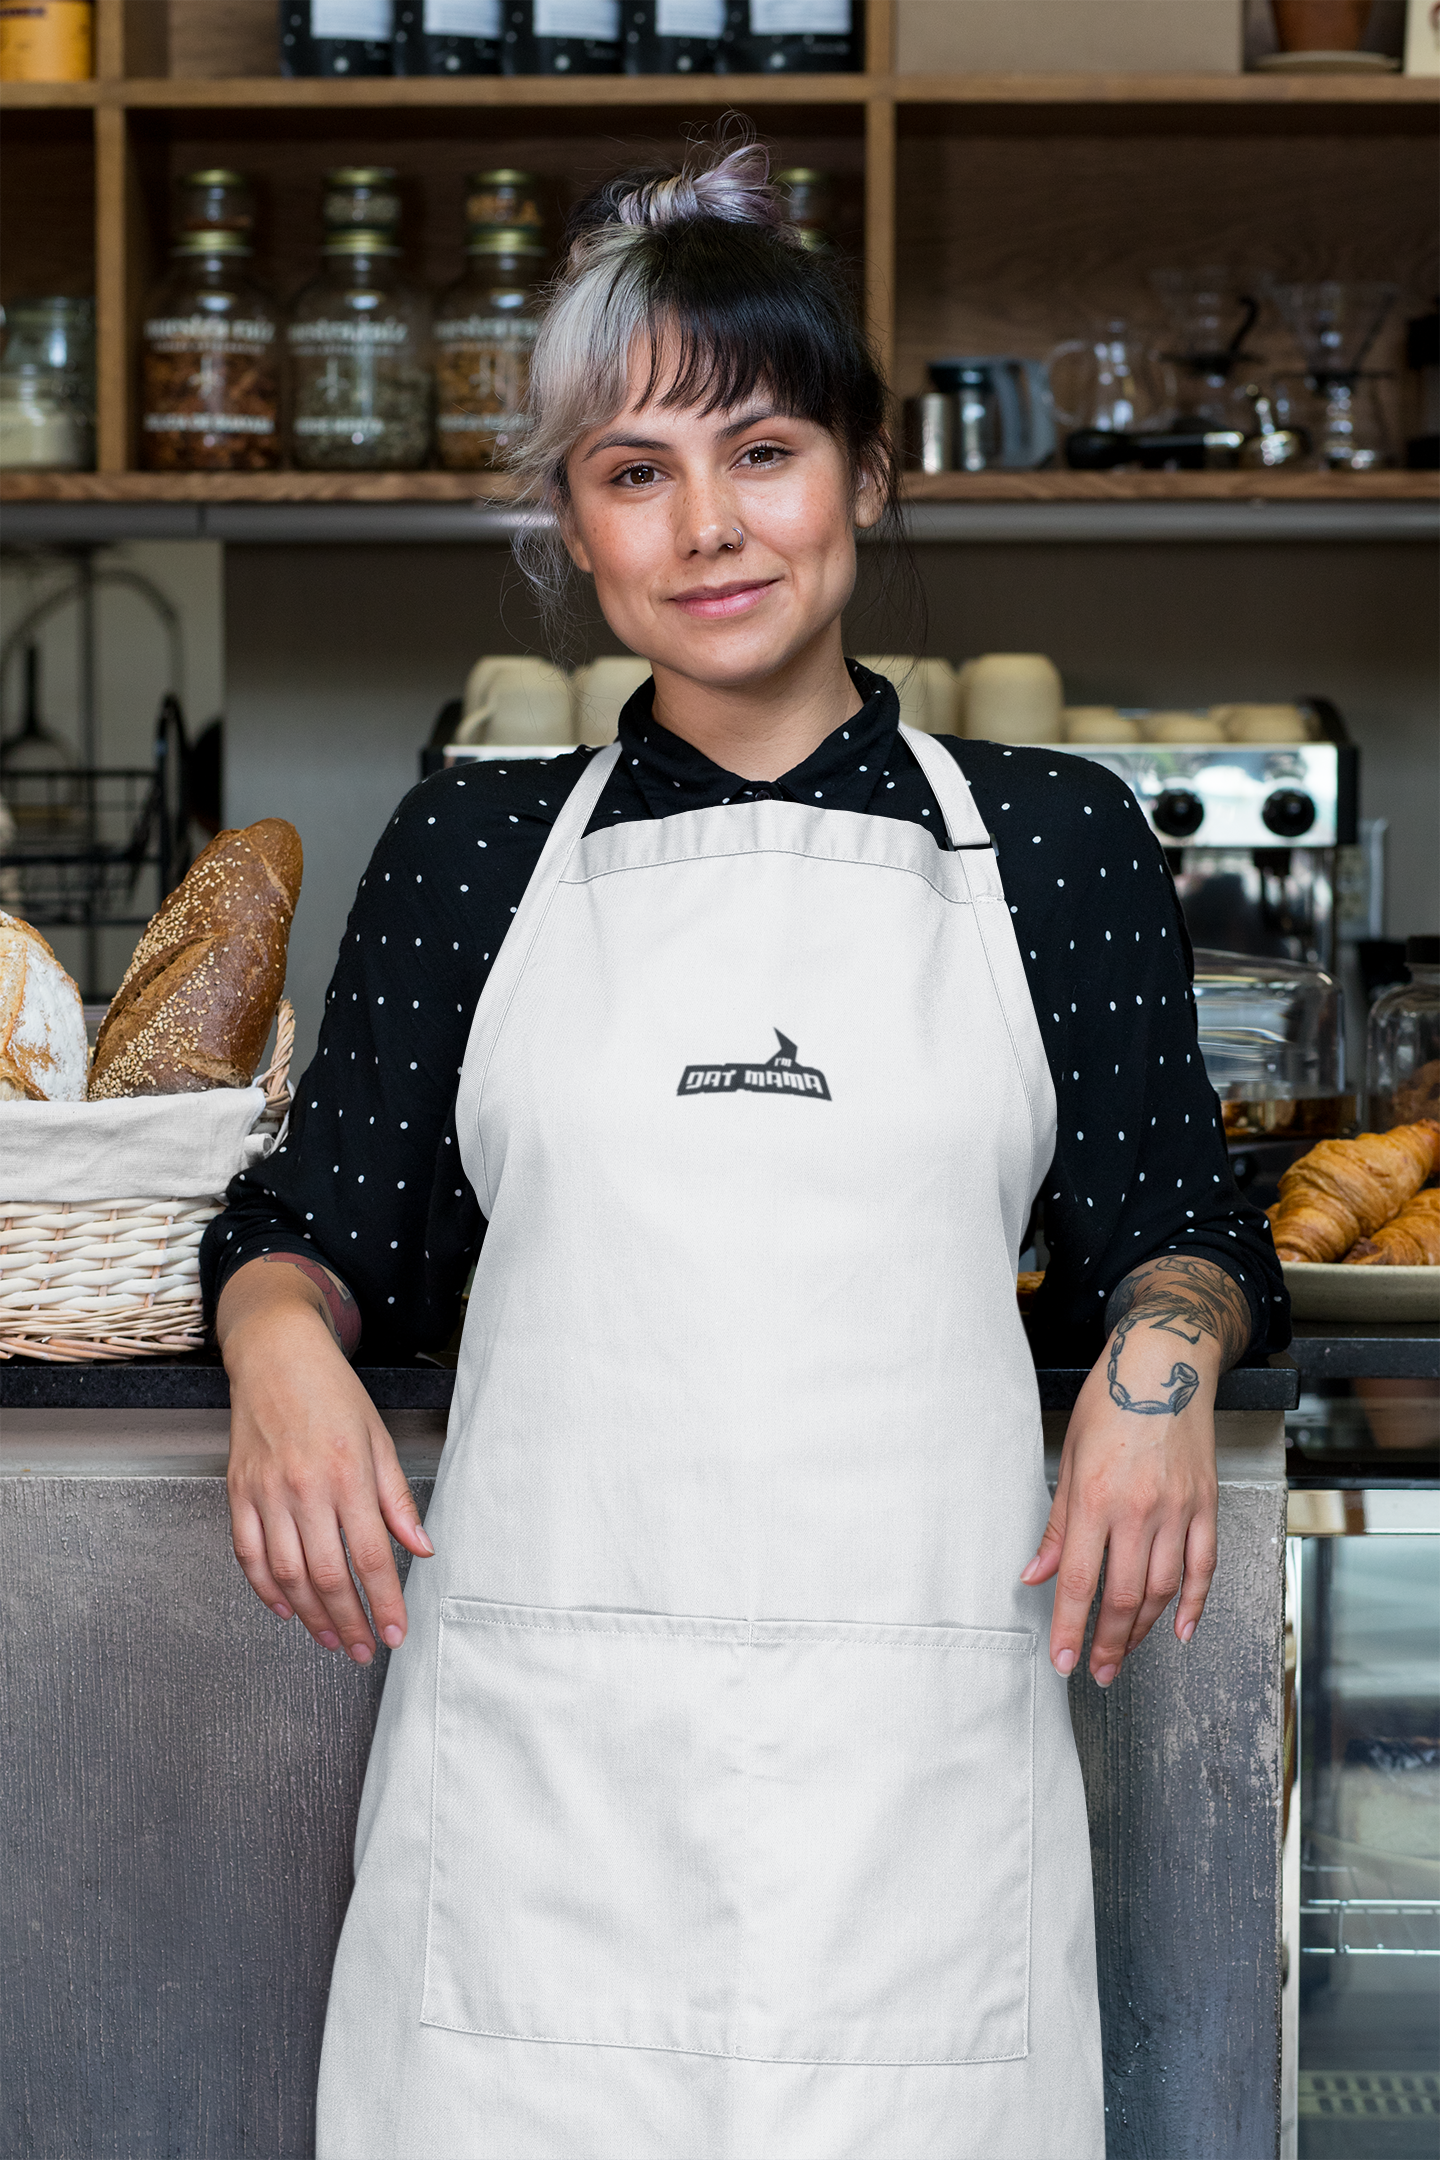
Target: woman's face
x=722, y=545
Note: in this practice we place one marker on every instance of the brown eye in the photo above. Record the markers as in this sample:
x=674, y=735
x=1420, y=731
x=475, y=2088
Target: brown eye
x=639, y=475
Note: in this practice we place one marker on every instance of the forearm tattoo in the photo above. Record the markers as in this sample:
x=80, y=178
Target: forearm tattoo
x=1188, y=1298
x=337, y=1308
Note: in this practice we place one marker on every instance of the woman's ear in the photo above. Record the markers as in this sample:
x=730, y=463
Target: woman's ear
x=869, y=498
x=569, y=532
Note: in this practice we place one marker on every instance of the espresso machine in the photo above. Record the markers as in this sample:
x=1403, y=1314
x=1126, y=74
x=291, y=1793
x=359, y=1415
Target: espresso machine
x=1252, y=833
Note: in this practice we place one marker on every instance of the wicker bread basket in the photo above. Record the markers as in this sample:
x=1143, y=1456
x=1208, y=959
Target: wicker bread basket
x=116, y=1278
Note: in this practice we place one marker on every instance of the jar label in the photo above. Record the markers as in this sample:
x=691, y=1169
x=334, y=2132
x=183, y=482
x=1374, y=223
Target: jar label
x=487, y=330
x=355, y=427
x=578, y=19
x=800, y=18
x=469, y=423
x=350, y=19
x=689, y=18
x=317, y=336
x=214, y=332
x=208, y=423
x=462, y=18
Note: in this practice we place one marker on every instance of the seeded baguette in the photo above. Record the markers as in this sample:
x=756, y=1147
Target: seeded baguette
x=201, y=990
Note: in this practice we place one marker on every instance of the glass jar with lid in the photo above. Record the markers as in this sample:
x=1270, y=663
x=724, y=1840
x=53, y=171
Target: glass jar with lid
x=47, y=385
x=359, y=349
x=805, y=192
x=363, y=198
x=1272, y=1035
x=210, y=363
x=1403, y=1043
x=505, y=199
x=484, y=329
x=217, y=199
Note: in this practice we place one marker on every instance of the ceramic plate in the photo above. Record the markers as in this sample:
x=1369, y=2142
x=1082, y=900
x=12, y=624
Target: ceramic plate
x=1363, y=1293
x=1328, y=63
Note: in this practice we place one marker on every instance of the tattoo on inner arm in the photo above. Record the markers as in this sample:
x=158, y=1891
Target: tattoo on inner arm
x=337, y=1307
x=1188, y=1298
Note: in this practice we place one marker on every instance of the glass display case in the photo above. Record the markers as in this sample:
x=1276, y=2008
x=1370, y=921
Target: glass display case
x=1362, y=1845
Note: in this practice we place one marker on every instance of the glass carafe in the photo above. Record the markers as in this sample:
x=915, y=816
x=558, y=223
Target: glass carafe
x=1210, y=319
x=1114, y=382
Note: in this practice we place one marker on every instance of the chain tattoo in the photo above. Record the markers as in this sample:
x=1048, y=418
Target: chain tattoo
x=1188, y=1298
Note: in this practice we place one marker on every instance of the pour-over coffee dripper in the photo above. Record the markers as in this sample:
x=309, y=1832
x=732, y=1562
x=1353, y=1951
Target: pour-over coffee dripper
x=1335, y=325
x=1211, y=320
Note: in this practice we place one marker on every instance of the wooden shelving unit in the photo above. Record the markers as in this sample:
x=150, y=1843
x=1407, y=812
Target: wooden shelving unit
x=987, y=211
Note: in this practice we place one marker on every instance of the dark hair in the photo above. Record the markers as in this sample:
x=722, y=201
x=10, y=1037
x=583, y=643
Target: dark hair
x=699, y=260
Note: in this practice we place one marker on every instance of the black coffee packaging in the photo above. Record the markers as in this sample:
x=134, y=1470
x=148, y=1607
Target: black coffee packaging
x=797, y=37
x=677, y=37
x=448, y=37
x=561, y=37
x=336, y=37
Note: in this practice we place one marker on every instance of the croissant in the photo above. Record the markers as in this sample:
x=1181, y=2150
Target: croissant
x=1412, y=1239
x=1343, y=1190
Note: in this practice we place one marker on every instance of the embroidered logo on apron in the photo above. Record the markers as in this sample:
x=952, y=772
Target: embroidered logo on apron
x=779, y=1075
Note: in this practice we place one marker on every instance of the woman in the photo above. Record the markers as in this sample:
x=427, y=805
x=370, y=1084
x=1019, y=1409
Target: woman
x=722, y=1802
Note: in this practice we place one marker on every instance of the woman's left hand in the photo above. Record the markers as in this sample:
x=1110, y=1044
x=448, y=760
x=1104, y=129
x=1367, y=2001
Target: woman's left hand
x=1137, y=1488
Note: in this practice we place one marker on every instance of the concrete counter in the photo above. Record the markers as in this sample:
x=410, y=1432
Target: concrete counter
x=181, y=1776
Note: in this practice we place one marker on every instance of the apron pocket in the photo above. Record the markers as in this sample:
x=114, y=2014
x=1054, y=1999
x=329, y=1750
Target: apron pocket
x=802, y=1841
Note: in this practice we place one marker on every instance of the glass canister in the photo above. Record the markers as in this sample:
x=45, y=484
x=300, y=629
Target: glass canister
x=1402, y=1061
x=210, y=363
x=363, y=198
x=47, y=386
x=806, y=195
x=360, y=362
x=215, y=200
x=484, y=329
x=506, y=199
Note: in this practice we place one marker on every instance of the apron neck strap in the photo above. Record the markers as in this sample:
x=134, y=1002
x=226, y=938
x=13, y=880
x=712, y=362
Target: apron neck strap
x=963, y=822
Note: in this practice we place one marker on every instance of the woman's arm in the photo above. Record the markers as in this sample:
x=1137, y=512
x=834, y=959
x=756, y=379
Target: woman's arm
x=312, y=1468
x=1137, y=1487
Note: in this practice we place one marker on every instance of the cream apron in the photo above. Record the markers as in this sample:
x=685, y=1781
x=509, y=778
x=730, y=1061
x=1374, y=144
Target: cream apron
x=723, y=1804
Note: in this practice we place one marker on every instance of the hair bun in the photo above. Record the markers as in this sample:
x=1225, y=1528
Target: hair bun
x=730, y=184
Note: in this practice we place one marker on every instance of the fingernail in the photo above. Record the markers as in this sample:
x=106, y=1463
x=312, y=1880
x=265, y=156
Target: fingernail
x=1187, y=1631
x=424, y=1540
x=394, y=1636
x=1029, y=1568
x=361, y=1652
x=283, y=1611
x=1105, y=1675
x=328, y=1641
x=1065, y=1663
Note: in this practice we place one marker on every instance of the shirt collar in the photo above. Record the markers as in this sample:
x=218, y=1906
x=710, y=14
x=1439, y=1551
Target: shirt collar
x=845, y=772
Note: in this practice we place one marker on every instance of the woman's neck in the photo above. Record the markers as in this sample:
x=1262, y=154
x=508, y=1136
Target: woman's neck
x=762, y=729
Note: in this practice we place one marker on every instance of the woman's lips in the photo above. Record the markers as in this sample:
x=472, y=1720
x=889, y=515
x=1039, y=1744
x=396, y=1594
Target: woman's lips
x=712, y=603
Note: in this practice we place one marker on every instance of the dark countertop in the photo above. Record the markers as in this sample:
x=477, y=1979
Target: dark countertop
x=199, y=1383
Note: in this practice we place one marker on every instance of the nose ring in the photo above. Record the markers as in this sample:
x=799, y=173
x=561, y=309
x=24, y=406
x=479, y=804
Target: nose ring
x=734, y=546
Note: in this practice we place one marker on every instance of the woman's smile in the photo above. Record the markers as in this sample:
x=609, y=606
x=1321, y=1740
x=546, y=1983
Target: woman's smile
x=714, y=603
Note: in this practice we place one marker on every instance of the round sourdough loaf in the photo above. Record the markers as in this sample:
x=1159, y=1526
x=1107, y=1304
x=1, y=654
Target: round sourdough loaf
x=42, y=1021
x=199, y=995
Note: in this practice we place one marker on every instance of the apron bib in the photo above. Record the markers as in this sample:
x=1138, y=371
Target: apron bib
x=723, y=1804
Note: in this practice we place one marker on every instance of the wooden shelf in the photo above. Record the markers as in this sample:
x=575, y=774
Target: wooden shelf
x=603, y=92
x=989, y=487
x=990, y=210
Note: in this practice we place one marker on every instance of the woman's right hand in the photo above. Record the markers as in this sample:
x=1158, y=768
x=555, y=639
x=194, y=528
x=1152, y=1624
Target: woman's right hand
x=312, y=1468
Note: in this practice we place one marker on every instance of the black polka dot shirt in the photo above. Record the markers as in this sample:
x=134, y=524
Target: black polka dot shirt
x=369, y=1177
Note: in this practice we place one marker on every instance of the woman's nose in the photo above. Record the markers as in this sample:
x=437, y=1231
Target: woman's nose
x=705, y=525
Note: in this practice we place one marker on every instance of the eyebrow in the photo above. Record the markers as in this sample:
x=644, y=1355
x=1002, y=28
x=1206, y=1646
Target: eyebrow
x=649, y=443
